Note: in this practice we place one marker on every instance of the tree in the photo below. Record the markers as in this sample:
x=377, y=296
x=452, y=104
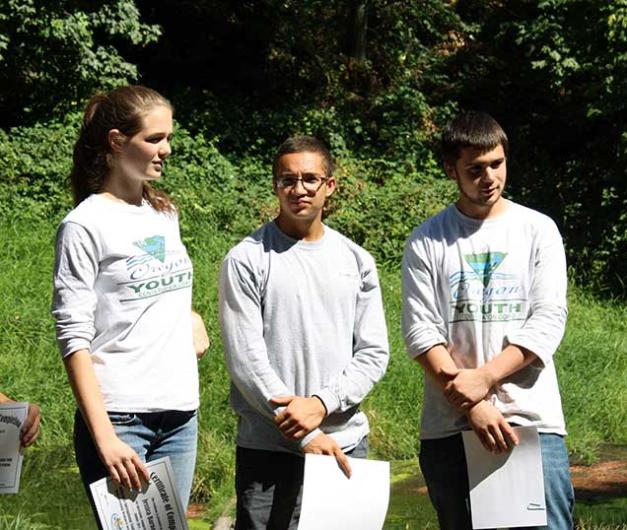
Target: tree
x=55, y=54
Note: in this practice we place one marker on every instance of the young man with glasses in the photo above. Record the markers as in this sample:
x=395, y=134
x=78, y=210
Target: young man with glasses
x=484, y=309
x=305, y=340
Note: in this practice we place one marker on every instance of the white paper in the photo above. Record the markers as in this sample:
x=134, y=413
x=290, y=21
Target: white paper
x=156, y=507
x=506, y=490
x=334, y=502
x=12, y=416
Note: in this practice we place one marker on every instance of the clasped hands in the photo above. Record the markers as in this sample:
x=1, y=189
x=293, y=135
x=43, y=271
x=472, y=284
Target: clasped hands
x=302, y=415
x=465, y=389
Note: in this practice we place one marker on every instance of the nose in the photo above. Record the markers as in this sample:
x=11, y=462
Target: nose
x=299, y=187
x=488, y=174
x=165, y=149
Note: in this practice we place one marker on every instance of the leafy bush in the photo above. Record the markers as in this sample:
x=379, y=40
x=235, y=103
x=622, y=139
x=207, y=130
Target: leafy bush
x=53, y=54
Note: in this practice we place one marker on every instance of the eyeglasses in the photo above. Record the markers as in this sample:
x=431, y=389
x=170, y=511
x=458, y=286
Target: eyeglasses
x=312, y=182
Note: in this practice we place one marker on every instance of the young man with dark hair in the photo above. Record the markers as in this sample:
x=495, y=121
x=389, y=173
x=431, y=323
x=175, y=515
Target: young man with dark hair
x=305, y=340
x=484, y=309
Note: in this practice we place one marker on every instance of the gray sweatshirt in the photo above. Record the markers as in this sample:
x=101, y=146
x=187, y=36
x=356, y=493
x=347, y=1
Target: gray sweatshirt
x=301, y=318
x=477, y=286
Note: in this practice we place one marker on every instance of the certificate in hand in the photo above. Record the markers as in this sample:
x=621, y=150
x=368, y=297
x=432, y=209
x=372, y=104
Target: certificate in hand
x=12, y=416
x=156, y=507
x=506, y=489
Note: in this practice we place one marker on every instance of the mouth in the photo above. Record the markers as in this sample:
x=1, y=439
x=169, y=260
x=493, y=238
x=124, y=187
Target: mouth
x=158, y=166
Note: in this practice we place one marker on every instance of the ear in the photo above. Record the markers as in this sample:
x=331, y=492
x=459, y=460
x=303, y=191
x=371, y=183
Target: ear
x=451, y=172
x=331, y=186
x=116, y=139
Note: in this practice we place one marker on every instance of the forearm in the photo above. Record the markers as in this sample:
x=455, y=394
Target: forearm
x=512, y=359
x=4, y=399
x=88, y=396
x=435, y=361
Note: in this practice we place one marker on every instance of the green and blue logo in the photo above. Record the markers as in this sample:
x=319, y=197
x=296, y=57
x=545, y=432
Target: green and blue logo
x=154, y=245
x=484, y=264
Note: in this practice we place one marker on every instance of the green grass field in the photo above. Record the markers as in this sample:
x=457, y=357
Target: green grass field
x=592, y=366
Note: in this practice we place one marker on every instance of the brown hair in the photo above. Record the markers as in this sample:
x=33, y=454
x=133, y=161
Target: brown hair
x=122, y=108
x=304, y=144
x=474, y=129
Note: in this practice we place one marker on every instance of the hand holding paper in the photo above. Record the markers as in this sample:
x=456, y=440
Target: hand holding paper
x=122, y=463
x=30, y=428
x=157, y=506
x=490, y=426
x=12, y=418
x=325, y=445
x=507, y=489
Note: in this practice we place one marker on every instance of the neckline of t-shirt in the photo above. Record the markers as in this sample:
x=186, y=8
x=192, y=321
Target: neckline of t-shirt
x=492, y=221
x=121, y=206
x=300, y=243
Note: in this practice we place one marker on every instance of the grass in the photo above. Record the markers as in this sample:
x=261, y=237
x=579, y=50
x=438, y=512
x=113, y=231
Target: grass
x=592, y=366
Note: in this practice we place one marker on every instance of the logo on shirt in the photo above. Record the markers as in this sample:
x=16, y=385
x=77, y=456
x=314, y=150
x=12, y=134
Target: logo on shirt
x=484, y=295
x=154, y=245
x=485, y=264
x=155, y=271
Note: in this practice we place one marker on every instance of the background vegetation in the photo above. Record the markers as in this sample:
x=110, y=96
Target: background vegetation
x=377, y=80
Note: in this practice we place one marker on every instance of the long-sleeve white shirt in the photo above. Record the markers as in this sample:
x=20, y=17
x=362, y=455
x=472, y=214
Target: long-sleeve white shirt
x=122, y=290
x=477, y=286
x=301, y=318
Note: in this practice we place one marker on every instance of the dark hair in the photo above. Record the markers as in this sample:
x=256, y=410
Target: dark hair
x=304, y=144
x=122, y=108
x=474, y=129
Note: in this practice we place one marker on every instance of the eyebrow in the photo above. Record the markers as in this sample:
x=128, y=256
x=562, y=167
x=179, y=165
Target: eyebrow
x=482, y=164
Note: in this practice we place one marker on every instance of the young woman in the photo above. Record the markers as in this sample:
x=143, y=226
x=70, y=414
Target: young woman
x=122, y=297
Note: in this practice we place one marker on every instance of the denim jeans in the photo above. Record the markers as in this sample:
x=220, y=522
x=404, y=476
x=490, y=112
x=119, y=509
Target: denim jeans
x=269, y=487
x=443, y=465
x=151, y=435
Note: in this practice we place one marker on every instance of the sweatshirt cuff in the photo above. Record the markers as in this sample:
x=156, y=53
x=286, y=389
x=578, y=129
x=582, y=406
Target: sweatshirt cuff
x=309, y=437
x=329, y=399
x=542, y=356
x=73, y=344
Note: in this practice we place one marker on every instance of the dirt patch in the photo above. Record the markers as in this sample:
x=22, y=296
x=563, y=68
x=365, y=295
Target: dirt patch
x=605, y=479
x=194, y=511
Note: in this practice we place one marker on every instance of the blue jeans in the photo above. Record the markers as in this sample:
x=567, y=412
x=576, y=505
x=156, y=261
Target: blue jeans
x=151, y=435
x=443, y=464
x=269, y=487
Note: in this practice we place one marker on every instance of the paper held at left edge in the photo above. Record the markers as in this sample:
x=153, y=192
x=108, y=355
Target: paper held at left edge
x=12, y=417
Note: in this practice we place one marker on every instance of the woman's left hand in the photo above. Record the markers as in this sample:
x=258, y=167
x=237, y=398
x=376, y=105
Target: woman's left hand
x=199, y=335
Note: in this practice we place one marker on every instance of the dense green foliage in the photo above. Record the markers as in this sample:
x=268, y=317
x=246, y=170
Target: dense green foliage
x=55, y=54
x=376, y=79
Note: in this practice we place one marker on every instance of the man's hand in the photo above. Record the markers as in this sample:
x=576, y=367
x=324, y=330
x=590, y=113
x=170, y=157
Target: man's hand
x=495, y=433
x=325, y=445
x=300, y=416
x=30, y=429
x=466, y=387
x=199, y=336
x=123, y=464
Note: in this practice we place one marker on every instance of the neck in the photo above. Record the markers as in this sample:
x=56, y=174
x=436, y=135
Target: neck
x=479, y=211
x=124, y=191
x=306, y=229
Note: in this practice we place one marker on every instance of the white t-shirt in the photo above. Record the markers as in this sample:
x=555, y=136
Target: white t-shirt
x=122, y=289
x=477, y=286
